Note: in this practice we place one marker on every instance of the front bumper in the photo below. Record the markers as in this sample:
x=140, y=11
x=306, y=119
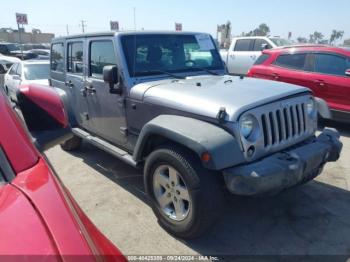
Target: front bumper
x=285, y=169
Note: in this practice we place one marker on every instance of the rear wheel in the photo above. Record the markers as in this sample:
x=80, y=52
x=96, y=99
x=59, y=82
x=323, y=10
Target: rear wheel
x=72, y=144
x=185, y=197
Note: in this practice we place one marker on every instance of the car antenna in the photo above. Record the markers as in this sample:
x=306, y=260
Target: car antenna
x=135, y=51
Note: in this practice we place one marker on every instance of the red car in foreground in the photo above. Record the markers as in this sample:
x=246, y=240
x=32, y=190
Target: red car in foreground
x=325, y=70
x=39, y=219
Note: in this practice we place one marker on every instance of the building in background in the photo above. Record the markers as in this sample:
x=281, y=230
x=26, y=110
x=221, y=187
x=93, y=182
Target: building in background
x=34, y=37
x=223, y=35
x=347, y=42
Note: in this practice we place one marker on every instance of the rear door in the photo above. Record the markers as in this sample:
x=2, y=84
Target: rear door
x=106, y=110
x=330, y=81
x=75, y=80
x=240, y=57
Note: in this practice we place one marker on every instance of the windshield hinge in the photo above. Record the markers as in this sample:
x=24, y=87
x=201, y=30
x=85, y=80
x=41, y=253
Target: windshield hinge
x=221, y=116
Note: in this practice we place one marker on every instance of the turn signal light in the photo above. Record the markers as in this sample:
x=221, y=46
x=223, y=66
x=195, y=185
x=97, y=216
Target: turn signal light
x=206, y=157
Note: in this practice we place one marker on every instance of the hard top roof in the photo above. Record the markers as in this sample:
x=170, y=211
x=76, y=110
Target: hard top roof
x=112, y=33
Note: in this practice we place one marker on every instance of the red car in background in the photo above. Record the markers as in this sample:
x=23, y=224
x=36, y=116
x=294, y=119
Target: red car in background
x=323, y=69
x=39, y=219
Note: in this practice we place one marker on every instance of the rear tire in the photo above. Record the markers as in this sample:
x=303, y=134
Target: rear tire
x=189, y=213
x=71, y=144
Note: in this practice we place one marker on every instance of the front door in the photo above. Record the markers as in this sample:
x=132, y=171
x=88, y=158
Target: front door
x=106, y=110
x=330, y=81
x=75, y=81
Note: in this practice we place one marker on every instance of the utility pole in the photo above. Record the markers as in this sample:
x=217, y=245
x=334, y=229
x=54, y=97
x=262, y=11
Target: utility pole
x=67, y=28
x=20, y=39
x=134, y=18
x=83, y=25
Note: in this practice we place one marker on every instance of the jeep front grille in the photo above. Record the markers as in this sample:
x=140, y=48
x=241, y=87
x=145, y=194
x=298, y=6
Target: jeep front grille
x=284, y=124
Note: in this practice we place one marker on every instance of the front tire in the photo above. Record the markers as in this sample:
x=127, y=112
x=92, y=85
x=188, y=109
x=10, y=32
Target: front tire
x=71, y=144
x=185, y=197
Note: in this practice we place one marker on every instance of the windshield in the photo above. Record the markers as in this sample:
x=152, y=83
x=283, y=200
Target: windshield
x=36, y=71
x=281, y=41
x=12, y=47
x=173, y=53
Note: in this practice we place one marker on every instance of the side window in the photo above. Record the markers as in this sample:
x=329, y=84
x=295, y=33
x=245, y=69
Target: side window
x=13, y=69
x=3, y=49
x=261, y=44
x=295, y=61
x=57, y=54
x=261, y=59
x=19, y=70
x=75, y=58
x=101, y=54
x=331, y=64
x=243, y=45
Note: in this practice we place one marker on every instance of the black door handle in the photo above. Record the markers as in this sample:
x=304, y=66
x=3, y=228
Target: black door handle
x=320, y=83
x=275, y=76
x=90, y=89
x=69, y=83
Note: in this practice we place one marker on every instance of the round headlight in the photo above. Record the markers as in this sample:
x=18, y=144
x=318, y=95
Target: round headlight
x=310, y=106
x=246, y=125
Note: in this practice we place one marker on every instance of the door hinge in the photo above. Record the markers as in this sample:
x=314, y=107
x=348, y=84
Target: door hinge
x=86, y=115
x=124, y=131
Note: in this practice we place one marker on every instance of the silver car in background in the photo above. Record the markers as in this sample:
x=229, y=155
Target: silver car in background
x=26, y=72
x=5, y=64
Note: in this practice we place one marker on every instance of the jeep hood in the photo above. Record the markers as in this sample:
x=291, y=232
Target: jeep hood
x=205, y=95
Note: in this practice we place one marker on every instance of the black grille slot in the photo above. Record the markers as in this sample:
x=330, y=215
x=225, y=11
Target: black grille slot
x=292, y=119
x=303, y=116
x=272, y=126
x=280, y=126
x=263, y=121
x=286, y=122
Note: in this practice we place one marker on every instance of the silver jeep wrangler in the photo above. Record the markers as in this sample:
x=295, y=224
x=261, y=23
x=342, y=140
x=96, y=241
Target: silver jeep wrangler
x=162, y=101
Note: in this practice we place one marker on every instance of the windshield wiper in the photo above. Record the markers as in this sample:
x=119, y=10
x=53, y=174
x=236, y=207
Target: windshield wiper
x=206, y=70
x=164, y=72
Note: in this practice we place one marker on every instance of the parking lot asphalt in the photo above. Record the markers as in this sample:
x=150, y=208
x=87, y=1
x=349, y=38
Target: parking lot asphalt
x=313, y=219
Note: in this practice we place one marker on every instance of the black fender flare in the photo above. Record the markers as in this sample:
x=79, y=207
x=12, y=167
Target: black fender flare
x=198, y=136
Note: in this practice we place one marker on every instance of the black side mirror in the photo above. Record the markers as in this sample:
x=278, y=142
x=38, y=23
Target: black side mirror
x=347, y=72
x=111, y=76
x=264, y=47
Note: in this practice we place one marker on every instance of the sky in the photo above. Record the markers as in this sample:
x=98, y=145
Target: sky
x=301, y=17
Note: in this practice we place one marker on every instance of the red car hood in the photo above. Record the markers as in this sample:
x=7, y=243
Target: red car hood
x=22, y=230
x=63, y=225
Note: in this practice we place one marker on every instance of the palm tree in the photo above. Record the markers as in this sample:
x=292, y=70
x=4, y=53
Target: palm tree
x=335, y=36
